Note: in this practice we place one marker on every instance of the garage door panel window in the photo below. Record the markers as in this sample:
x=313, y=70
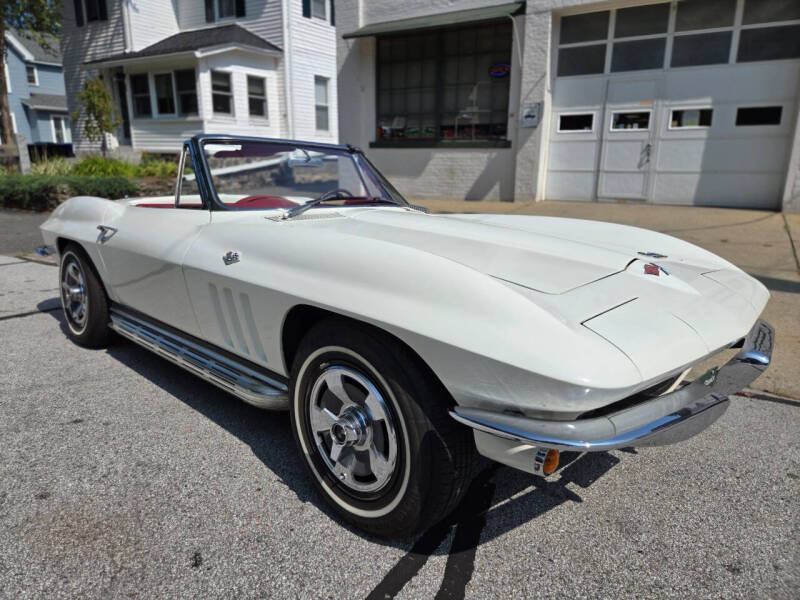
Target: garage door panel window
x=701, y=49
x=638, y=55
x=758, y=115
x=445, y=85
x=704, y=14
x=642, y=20
x=770, y=11
x=587, y=27
x=769, y=43
x=690, y=118
x=576, y=123
x=582, y=60
x=630, y=120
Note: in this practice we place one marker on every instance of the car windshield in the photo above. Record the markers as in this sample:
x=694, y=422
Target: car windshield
x=254, y=175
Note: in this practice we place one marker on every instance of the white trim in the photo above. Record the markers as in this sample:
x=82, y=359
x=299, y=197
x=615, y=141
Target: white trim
x=13, y=122
x=18, y=46
x=613, y=129
x=8, y=77
x=575, y=114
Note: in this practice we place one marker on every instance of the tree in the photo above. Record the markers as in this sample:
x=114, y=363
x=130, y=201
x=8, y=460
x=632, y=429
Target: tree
x=97, y=108
x=39, y=18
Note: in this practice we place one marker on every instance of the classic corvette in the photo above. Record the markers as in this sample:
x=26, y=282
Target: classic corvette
x=294, y=275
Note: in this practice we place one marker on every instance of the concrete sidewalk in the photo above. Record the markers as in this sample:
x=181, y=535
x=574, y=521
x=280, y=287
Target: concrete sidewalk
x=763, y=243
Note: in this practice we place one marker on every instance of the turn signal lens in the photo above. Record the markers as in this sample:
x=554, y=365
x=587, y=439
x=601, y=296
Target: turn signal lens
x=550, y=463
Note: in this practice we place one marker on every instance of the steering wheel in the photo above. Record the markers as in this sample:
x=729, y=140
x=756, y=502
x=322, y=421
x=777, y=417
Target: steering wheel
x=338, y=193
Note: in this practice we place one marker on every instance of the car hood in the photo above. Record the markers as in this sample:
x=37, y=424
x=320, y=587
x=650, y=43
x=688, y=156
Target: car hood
x=548, y=255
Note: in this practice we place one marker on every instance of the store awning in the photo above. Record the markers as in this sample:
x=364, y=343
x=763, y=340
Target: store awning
x=458, y=17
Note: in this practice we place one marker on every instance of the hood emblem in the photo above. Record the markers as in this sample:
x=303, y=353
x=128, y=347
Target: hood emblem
x=654, y=269
x=231, y=257
x=652, y=254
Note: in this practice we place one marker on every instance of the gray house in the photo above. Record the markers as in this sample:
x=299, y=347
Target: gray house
x=36, y=93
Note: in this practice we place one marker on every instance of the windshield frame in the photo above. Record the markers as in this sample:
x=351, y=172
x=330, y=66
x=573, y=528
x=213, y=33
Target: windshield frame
x=360, y=161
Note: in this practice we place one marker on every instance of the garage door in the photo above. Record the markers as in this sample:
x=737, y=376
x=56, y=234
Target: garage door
x=681, y=103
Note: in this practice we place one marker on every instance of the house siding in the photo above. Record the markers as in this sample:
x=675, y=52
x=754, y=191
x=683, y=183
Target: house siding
x=19, y=92
x=92, y=41
x=151, y=21
x=313, y=53
x=51, y=80
x=262, y=17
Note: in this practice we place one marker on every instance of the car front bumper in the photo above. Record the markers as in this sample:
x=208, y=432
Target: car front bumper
x=667, y=419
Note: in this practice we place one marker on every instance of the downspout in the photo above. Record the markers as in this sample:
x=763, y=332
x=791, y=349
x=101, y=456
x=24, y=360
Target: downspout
x=127, y=33
x=287, y=69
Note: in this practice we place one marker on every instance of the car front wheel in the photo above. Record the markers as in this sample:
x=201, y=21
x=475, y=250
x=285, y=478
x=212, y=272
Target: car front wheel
x=83, y=299
x=373, y=426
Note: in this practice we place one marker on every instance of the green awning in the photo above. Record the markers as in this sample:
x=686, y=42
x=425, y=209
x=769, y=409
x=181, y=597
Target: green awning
x=440, y=20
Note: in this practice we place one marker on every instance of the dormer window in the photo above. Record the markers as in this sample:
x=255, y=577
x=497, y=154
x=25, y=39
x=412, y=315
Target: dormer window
x=87, y=11
x=217, y=10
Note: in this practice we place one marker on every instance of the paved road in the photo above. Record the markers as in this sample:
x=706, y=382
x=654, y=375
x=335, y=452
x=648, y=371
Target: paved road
x=122, y=476
x=19, y=230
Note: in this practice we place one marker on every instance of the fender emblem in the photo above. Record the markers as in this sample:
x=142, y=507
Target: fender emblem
x=231, y=257
x=654, y=269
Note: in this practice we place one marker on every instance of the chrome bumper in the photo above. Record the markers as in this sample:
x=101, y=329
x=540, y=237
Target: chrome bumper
x=667, y=419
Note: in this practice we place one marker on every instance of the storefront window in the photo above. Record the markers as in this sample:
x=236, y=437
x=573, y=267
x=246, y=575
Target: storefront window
x=446, y=85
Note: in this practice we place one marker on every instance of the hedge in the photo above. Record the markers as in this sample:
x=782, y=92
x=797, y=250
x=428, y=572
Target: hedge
x=45, y=192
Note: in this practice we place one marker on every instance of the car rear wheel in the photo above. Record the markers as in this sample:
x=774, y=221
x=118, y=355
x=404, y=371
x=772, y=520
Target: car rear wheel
x=83, y=299
x=372, y=424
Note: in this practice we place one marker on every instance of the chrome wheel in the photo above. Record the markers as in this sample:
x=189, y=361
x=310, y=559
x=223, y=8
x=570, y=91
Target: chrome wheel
x=74, y=298
x=353, y=429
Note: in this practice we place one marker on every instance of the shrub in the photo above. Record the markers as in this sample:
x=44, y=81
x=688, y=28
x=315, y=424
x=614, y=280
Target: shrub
x=153, y=167
x=57, y=165
x=45, y=192
x=97, y=166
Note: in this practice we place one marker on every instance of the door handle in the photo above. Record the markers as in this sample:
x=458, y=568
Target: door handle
x=106, y=233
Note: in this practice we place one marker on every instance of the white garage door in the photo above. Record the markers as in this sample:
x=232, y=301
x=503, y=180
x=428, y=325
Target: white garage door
x=687, y=103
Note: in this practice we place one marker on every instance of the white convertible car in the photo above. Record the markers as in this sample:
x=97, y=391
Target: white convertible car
x=293, y=275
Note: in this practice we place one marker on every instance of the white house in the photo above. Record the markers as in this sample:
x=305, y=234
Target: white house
x=682, y=101
x=180, y=67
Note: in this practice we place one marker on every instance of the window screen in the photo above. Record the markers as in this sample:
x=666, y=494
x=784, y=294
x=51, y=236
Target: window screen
x=321, y=103
x=140, y=91
x=187, y=91
x=704, y=14
x=257, y=96
x=769, y=43
x=690, y=117
x=584, y=28
x=701, y=49
x=221, y=92
x=759, y=115
x=638, y=55
x=642, y=20
x=165, y=99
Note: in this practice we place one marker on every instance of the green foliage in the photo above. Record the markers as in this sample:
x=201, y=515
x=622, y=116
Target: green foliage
x=58, y=165
x=97, y=166
x=155, y=167
x=97, y=108
x=45, y=192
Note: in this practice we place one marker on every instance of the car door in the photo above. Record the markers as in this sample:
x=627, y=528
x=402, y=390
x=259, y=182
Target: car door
x=142, y=247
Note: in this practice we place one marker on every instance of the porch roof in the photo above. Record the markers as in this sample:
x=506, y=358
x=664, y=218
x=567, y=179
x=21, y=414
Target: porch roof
x=48, y=102
x=196, y=40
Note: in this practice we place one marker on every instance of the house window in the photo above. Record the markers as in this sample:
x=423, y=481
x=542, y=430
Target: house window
x=140, y=93
x=165, y=95
x=318, y=9
x=759, y=115
x=60, y=129
x=321, y=102
x=631, y=120
x=187, y=92
x=445, y=85
x=96, y=10
x=690, y=117
x=577, y=122
x=257, y=96
x=32, y=74
x=223, y=9
x=221, y=92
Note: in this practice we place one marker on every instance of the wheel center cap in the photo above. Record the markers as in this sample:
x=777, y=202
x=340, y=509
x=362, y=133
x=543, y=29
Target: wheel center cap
x=351, y=428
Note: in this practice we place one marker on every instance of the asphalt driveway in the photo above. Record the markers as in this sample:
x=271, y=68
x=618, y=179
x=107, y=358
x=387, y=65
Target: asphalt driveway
x=122, y=476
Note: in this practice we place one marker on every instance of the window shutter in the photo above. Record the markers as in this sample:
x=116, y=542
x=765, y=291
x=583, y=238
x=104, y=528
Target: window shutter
x=102, y=10
x=79, y=13
x=209, y=11
x=333, y=12
x=307, y=8
x=240, y=8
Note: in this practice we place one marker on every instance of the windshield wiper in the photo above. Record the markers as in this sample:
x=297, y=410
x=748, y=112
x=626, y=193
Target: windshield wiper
x=329, y=195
